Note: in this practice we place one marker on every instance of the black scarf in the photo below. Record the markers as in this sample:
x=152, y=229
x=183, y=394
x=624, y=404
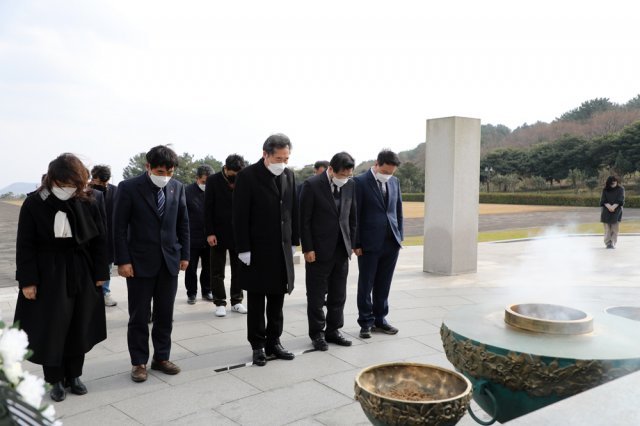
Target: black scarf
x=83, y=227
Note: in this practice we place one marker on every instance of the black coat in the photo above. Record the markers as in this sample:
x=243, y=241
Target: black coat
x=265, y=223
x=195, y=207
x=218, y=199
x=320, y=222
x=109, y=196
x=142, y=237
x=68, y=302
x=612, y=196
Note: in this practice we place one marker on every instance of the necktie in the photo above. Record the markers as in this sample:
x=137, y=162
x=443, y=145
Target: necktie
x=161, y=200
x=336, y=192
x=383, y=190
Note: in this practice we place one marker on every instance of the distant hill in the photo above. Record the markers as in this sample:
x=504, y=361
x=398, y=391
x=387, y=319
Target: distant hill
x=592, y=119
x=18, y=188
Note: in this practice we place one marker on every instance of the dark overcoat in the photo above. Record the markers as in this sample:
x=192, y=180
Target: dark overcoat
x=321, y=224
x=265, y=223
x=218, y=199
x=69, y=307
x=195, y=208
x=612, y=196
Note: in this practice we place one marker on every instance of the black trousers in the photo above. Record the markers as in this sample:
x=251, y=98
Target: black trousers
x=191, y=274
x=259, y=332
x=162, y=289
x=70, y=369
x=218, y=263
x=327, y=277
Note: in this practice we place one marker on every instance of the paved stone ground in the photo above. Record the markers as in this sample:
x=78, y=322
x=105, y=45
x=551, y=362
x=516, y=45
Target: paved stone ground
x=216, y=387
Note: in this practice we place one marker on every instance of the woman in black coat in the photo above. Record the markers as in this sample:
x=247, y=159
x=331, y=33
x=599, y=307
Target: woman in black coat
x=612, y=200
x=61, y=260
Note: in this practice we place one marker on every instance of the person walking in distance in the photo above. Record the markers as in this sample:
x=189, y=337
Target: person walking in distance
x=265, y=225
x=199, y=250
x=611, y=200
x=219, y=230
x=151, y=234
x=378, y=241
x=327, y=230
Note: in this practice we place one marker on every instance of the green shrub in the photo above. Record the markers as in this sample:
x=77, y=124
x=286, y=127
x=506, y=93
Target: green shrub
x=416, y=196
x=542, y=199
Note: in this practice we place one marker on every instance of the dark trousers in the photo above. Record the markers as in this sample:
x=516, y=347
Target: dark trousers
x=191, y=274
x=162, y=289
x=327, y=277
x=218, y=263
x=260, y=332
x=375, y=274
x=70, y=369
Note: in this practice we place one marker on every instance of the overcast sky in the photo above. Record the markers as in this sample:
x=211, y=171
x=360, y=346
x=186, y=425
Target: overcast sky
x=107, y=79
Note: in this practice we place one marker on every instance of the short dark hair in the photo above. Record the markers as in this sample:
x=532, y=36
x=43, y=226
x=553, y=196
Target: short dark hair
x=101, y=172
x=342, y=161
x=204, y=170
x=320, y=163
x=388, y=157
x=162, y=155
x=276, y=141
x=235, y=162
x=67, y=168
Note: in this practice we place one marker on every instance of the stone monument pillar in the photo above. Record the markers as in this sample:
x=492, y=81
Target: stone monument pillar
x=452, y=181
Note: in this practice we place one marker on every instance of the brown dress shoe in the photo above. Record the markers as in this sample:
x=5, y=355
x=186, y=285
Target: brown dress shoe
x=139, y=373
x=167, y=367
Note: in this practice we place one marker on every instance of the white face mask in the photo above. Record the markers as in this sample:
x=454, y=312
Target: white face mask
x=63, y=193
x=383, y=178
x=159, y=181
x=201, y=186
x=339, y=182
x=276, y=168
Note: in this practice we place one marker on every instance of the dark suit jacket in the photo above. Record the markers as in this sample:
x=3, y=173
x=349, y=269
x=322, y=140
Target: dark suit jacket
x=143, y=237
x=320, y=222
x=195, y=207
x=375, y=218
x=265, y=222
x=218, y=199
x=109, y=195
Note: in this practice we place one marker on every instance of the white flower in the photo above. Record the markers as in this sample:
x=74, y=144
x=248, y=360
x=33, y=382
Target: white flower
x=13, y=346
x=31, y=388
x=13, y=372
x=49, y=412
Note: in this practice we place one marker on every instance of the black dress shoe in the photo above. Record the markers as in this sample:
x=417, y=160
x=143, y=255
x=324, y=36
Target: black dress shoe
x=259, y=357
x=338, y=339
x=77, y=387
x=57, y=392
x=319, y=344
x=386, y=329
x=279, y=352
x=365, y=333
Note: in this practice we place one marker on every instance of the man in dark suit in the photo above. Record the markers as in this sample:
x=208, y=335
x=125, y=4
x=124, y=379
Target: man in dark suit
x=151, y=234
x=219, y=230
x=378, y=241
x=198, y=242
x=100, y=177
x=265, y=225
x=327, y=229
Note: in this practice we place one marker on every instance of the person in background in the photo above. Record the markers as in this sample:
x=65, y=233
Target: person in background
x=327, y=230
x=611, y=200
x=195, y=194
x=265, y=225
x=100, y=177
x=378, y=241
x=219, y=230
x=319, y=167
x=151, y=235
x=61, y=260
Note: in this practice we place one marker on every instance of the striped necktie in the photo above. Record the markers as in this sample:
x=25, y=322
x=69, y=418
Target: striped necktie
x=161, y=201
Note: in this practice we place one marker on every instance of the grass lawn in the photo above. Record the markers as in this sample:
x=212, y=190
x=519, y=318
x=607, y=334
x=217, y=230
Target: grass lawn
x=628, y=227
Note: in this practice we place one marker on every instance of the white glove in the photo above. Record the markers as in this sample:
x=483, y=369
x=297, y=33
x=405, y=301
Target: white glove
x=293, y=250
x=245, y=257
